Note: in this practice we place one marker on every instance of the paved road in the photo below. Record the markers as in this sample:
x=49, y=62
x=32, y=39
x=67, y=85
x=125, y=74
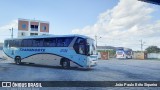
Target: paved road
x=110, y=70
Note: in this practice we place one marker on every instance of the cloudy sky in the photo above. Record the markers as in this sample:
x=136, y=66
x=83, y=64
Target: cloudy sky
x=121, y=23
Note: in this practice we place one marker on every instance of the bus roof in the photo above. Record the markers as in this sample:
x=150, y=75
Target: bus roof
x=49, y=36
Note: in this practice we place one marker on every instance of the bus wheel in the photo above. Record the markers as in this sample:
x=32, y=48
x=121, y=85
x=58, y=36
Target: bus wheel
x=18, y=60
x=65, y=63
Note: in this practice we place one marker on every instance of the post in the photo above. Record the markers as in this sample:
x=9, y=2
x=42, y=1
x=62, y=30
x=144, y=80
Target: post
x=141, y=46
x=142, y=43
x=96, y=40
x=11, y=32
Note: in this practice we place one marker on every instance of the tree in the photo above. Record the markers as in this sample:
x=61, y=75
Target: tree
x=153, y=49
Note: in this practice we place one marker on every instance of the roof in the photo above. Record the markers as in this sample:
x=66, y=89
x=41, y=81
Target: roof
x=32, y=20
x=50, y=36
x=106, y=48
x=111, y=48
x=122, y=48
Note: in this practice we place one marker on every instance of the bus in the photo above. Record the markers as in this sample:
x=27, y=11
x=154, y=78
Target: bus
x=57, y=50
x=124, y=53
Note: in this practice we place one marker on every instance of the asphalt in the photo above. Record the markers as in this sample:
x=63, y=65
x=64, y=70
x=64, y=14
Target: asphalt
x=106, y=70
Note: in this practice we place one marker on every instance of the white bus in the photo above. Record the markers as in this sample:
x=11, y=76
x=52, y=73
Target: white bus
x=124, y=53
x=64, y=50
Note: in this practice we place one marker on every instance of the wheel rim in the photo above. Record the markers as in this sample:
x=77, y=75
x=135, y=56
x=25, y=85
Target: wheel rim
x=17, y=60
x=64, y=64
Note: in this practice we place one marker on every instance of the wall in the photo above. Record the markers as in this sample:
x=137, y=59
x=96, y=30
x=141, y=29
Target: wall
x=139, y=55
x=104, y=55
x=154, y=55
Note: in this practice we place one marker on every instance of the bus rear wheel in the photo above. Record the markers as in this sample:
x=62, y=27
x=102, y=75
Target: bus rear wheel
x=65, y=63
x=18, y=60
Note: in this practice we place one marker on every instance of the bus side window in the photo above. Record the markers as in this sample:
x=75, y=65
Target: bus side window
x=67, y=41
x=6, y=43
x=37, y=42
x=60, y=42
x=29, y=42
x=49, y=42
x=26, y=43
x=11, y=43
x=17, y=43
x=46, y=42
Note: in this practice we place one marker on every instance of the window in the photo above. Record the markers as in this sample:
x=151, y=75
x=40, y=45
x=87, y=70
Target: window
x=50, y=42
x=60, y=42
x=44, y=28
x=79, y=46
x=119, y=53
x=34, y=27
x=6, y=43
x=38, y=42
x=24, y=26
x=22, y=34
x=31, y=34
x=17, y=43
x=11, y=44
x=67, y=41
x=64, y=42
x=26, y=43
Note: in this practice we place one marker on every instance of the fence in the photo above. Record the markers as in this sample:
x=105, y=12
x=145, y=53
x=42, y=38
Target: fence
x=154, y=55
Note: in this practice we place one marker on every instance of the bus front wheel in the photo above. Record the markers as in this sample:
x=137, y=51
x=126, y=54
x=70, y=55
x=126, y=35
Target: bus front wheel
x=18, y=60
x=65, y=63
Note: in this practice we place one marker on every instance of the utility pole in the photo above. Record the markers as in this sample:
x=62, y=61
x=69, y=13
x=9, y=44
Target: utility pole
x=96, y=39
x=11, y=32
x=142, y=43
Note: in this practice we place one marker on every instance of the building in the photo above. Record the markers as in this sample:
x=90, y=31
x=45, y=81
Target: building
x=32, y=27
x=107, y=51
x=103, y=48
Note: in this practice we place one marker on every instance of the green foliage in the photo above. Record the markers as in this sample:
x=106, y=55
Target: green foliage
x=153, y=49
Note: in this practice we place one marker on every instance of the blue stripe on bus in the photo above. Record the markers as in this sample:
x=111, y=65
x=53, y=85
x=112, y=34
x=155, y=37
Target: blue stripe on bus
x=45, y=53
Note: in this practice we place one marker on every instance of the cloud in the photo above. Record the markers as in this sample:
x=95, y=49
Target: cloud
x=5, y=32
x=124, y=25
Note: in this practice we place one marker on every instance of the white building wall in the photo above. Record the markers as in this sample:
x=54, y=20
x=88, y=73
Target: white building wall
x=153, y=55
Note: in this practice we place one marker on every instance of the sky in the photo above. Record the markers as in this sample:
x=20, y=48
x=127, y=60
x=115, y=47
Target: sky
x=119, y=23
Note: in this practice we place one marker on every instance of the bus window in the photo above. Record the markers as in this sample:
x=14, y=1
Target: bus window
x=49, y=42
x=26, y=43
x=11, y=43
x=6, y=43
x=60, y=42
x=17, y=43
x=64, y=42
x=37, y=42
x=79, y=46
x=67, y=41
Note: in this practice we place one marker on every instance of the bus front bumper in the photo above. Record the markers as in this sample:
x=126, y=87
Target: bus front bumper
x=92, y=63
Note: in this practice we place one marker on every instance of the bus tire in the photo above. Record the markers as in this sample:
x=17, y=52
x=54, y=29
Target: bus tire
x=65, y=63
x=18, y=60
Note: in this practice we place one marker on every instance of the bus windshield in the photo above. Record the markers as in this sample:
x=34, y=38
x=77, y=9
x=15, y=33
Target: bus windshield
x=91, y=47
